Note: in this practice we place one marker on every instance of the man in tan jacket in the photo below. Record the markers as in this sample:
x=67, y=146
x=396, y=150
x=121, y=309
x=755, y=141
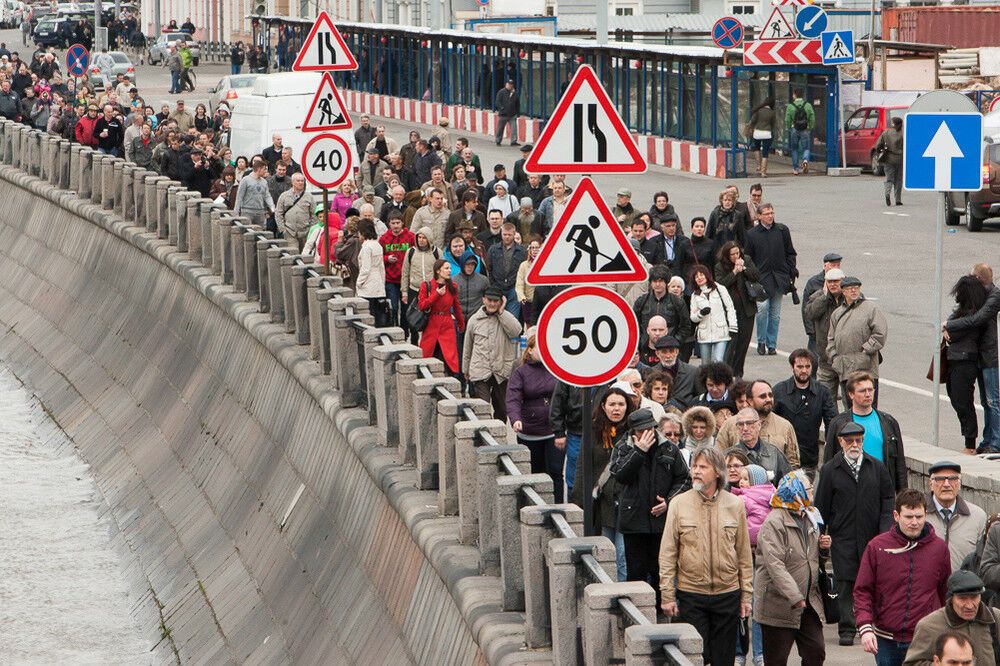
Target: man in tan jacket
x=858, y=332
x=706, y=549
x=964, y=613
x=488, y=351
x=774, y=429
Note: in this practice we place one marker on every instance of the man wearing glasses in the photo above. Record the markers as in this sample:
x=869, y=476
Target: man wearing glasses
x=855, y=497
x=757, y=450
x=959, y=522
x=883, y=438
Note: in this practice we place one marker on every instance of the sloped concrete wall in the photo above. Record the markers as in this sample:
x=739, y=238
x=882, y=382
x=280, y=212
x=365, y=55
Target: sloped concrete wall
x=202, y=423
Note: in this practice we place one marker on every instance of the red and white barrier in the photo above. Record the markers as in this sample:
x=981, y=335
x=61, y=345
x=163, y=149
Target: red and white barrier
x=671, y=153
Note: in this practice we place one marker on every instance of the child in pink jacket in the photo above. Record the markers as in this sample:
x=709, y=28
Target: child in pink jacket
x=755, y=491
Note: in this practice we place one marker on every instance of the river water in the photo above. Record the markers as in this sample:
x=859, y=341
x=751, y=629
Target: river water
x=62, y=596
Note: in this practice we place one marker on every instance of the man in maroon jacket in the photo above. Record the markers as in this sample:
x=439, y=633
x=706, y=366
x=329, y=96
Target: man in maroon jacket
x=903, y=576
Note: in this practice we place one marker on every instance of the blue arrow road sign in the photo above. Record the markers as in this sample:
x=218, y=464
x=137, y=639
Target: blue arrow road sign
x=837, y=47
x=77, y=59
x=811, y=21
x=943, y=152
x=727, y=33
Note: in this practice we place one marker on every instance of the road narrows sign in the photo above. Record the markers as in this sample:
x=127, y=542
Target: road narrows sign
x=585, y=134
x=327, y=111
x=586, y=245
x=324, y=49
x=327, y=160
x=587, y=335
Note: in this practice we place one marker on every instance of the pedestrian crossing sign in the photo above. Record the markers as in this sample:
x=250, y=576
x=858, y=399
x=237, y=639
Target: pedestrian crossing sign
x=587, y=245
x=837, y=47
x=777, y=26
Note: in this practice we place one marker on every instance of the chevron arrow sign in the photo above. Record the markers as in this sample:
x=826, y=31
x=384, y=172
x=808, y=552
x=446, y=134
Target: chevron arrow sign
x=782, y=52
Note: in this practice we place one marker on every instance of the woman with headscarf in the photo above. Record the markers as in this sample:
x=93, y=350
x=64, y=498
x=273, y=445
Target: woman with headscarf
x=787, y=601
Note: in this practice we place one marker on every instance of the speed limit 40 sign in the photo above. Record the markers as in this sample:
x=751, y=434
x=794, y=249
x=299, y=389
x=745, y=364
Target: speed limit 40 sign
x=327, y=161
x=587, y=335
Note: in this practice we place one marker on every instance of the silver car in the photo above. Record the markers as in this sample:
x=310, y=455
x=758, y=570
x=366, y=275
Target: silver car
x=122, y=66
x=231, y=88
x=160, y=49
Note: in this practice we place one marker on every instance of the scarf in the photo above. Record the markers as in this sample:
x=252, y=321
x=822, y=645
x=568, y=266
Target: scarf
x=792, y=495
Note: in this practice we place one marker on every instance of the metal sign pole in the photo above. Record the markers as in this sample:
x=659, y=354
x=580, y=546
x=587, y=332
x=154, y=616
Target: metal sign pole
x=586, y=458
x=326, y=228
x=938, y=297
x=840, y=118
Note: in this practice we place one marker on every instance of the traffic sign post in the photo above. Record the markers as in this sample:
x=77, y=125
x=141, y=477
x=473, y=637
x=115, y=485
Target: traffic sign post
x=942, y=152
x=585, y=134
x=727, y=33
x=324, y=49
x=77, y=60
x=326, y=160
x=811, y=21
x=837, y=47
x=586, y=336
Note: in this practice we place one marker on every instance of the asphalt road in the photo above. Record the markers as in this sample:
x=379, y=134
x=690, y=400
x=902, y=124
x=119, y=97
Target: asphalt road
x=891, y=249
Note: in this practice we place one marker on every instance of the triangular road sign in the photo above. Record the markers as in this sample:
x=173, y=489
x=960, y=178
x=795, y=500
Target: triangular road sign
x=324, y=49
x=777, y=27
x=327, y=111
x=585, y=134
x=587, y=245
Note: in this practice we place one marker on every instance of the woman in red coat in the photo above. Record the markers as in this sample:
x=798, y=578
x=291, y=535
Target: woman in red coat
x=440, y=298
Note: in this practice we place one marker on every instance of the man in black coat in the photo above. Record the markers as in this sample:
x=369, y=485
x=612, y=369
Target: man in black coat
x=686, y=385
x=883, y=432
x=855, y=497
x=659, y=301
x=507, y=104
x=769, y=244
x=814, y=284
x=806, y=404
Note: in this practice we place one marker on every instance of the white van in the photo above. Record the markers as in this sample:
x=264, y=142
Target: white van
x=278, y=103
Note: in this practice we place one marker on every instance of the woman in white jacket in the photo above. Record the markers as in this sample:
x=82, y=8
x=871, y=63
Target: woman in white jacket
x=371, y=272
x=712, y=310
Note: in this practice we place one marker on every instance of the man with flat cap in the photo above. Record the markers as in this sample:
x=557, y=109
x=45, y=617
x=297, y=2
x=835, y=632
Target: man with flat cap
x=685, y=377
x=858, y=332
x=959, y=522
x=831, y=260
x=855, y=497
x=965, y=613
x=817, y=308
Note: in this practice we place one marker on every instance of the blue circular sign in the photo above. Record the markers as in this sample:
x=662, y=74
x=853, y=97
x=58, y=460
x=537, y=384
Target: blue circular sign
x=77, y=60
x=811, y=21
x=727, y=33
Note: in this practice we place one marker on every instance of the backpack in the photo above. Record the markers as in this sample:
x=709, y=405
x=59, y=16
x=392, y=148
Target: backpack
x=801, y=119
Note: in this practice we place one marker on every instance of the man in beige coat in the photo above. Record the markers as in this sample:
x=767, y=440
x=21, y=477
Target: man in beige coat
x=706, y=549
x=774, y=429
x=488, y=351
x=434, y=216
x=858, y=331
x=293, y=212
x=964, y=613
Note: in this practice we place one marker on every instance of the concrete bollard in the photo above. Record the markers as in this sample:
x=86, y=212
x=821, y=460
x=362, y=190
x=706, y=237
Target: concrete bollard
x=152, y=201
x=163, y=190
x=125, y=200
x=510, y=501
x=109, y=181
x=467, y=439
x=488, y=470
x=52, y=160
x=194, y=206
x=326, y=288
x=239, y=266
x=537, y=529
x=450, y=413
x=207, y=236
x=566, y=585
x=176, y=213
x=139, y=196
x=75, y=162
x=300, y=302
x=97, y=177
x=65, y=164
x=33, y=160
x=425, y=397
x=373, y=338
x=249, y=240
x=408, y=372
x=345, y=340
x=184, y=208
x=262, y=247
x=276, y=294
x=6, y=130
x=288, y=289
x=602, y=620
x=223, y=262
x=644, y=643
x=85, y=172
x=384, y=378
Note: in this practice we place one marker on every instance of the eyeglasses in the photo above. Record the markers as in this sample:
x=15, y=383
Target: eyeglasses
x=854, y=439
x=672, y=433
x=946, y=479
x=735, y=465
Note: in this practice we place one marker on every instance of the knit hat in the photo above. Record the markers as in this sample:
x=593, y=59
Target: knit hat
x=757, y=475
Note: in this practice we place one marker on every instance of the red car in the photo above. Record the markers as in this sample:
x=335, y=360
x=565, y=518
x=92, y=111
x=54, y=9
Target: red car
x=862, y=130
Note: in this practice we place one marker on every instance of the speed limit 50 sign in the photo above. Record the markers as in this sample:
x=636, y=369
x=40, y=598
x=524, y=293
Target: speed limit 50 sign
x=587, y=335
x=327, y=161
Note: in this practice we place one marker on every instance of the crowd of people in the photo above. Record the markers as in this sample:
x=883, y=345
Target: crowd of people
x=732, y=496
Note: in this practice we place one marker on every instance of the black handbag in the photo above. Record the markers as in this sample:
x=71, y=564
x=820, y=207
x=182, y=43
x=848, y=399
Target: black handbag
x=756, y=291
x=828, y=593
x=415, y=317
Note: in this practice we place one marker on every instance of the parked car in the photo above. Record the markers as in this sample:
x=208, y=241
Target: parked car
x=159, y=49
x=10, y=13
x=861, y=133
x=56, y=32
x=231, y=88
x=977, y=207
x=123, y=65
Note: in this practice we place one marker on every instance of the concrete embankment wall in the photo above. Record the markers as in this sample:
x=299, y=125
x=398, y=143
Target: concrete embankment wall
x=202, y=422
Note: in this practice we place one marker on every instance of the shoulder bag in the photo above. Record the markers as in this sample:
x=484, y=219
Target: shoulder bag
x=415, y=317
x=756, y=291
x=828, y=593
